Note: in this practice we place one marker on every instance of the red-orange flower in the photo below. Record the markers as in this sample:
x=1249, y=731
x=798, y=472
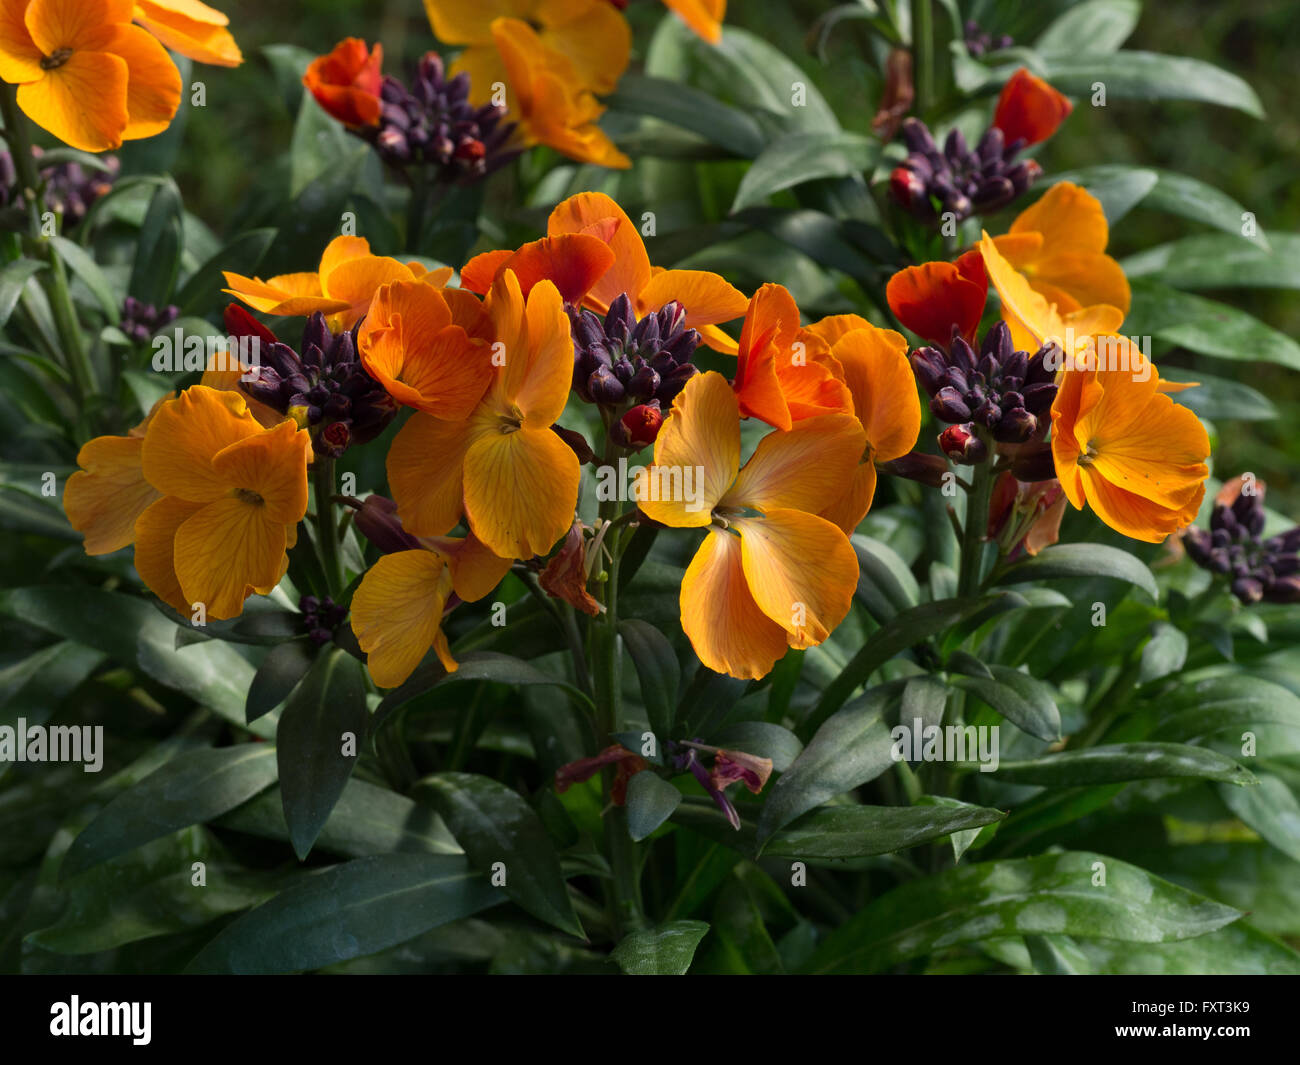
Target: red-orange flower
x=932, y=298
x=1029, y=108
x=346, y=82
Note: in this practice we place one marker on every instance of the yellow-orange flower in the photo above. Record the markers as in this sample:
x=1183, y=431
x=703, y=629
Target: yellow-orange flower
x=1059, y=245
x=785, y=373
x=427, y=347
x=342, y=288
x=397, y=609
x=1129, y=451
x=590, y=34
x=703, y=16
x=514, y=480
x=232, y=496
x=770, y=574
x=707, y=297
x=191, y=28
x=85, y=73
x=879, y=377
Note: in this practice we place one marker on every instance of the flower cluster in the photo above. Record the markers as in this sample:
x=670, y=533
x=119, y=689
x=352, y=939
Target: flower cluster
x=619, y=358
x=1258, y=567
x=140, y=321
x=69, y=188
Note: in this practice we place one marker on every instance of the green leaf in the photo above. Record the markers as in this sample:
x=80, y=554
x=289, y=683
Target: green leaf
x=657, y=669
x=1219, y=398
x=281, y=670
x=13, y=279
x=1226, y=706
x=690, y=109
x=794, y=158
x=760, y=76
x=494, y=825
x=1214, y=260
x=348, y=911
x=760, y=738
x=1082, y=560
x=1119, y=188
x=1094, y=27
x=1237, y=950
x=193, y=787
x=1125, y=761
x=1149, y=76
x=859, y=831
x=202, y=290
x=651, y=800
x=84, y=267
x=663, y=951
x=1270, y=809
x=310, y=740
x=158, y=247
x=1025, y=701
x=851, y=748
x=1053, y=894
x=1251, y=876
x=909, y=627
x=885, y=582
x=1164, y=653
x=1206, y=326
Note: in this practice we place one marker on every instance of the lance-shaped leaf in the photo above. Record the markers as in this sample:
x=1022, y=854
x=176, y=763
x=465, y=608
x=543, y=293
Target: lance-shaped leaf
x=663, y=951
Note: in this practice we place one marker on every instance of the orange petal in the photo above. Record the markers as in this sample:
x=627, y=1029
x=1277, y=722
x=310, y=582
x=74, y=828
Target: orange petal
x=804, y=469
x=1068, y=218
x=342, y=249
x=354, y=282
x=707, y=297
x=728, y=631
x=426, y=473
x=20, y=59
x=593, y=37
x=521, y=490
x=82, y=102
x=801, y=570
x=702, y=16
x=82, y=25
x=397, y=613
x=184, y=436
x=224, y=551
x=105, y=497
x=475, y=570
x=535, y=352
x=876, y=369
x=573, y=261
x=154, y=87
x=812, y=380
x=630, y=272
x=700, y=434
x=835, y=326
x=191, y=28
x=933, y=298
x=767, y=336
x=155, y=548
x=852, y=505
x=272, y=465
x=1029, y=109
x=478, y=274
x=713, y=337
x=1085, y=277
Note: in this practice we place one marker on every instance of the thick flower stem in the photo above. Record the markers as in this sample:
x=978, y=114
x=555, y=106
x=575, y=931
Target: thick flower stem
x=975, y=524
x=624, y=898
x=327, y=528
x=65, y=315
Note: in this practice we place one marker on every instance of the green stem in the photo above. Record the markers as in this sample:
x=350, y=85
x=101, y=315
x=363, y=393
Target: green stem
x=922, y=56
x=973, y=528
x=327, y=528
x=65, y=315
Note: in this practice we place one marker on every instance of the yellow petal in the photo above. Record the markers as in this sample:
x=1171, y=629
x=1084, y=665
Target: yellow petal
x=273, y=466
x=426, y=473
x=184, y=436
x=880, y=378
x=848, y=510
x=226, y=549
x=83, y=102
x=806, y=468
x=191, y=28
x=104, y=498
x=728, y=631
x=154, y=89
x=155, y=545
x=707, y=297
x=1068, y=217
x=397, y=613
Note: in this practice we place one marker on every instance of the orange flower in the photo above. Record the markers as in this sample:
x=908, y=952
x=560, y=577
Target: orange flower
x=589, y=34
x=398, y=607
x=1059, y=245
x=574, y=262
x=191, y=28
x=770, y=573
x=785, y=373
x=85, y=73
x=104, y=497
x=348, y=278
x=932, y=298
x=1129, y=451
x=703, y=16
x=1029, y=108
x=879, y=378
x=1034, y=320
x=502, y=467
x=346, y=82
x=232, y=496
x=416, y=341
x=707, y=297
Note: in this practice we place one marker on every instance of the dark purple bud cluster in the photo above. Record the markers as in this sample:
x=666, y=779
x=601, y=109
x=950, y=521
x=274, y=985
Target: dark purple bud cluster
x=619, y=359
x=979, y=43
x=321, y=617
x=70, y=188
x=1267, y=569
x=1006, y=391
x=964, y=182
x=326, y=389
x=140, y=321
x=433, y=122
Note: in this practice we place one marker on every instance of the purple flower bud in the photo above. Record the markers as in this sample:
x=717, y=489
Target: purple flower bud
x=1038, y=398
x=604, y=388
x=949, y=406
x=1017, y=426
x=929, y=366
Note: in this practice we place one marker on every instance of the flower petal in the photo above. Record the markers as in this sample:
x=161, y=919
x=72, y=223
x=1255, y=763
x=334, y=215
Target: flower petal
x=728, y=631
x=876, y=369
x=224, y=551
x=707, y=297
x=272, y=464
x=191, y=28
x=184, y=436
x=426, y=473
x=397, y=614
x=805, y=468
x=1069, y=219
x=83, y=102
x=154, y=86
x=105, y=497
x=630, y=272
x=932, y=298
x=155, y=548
